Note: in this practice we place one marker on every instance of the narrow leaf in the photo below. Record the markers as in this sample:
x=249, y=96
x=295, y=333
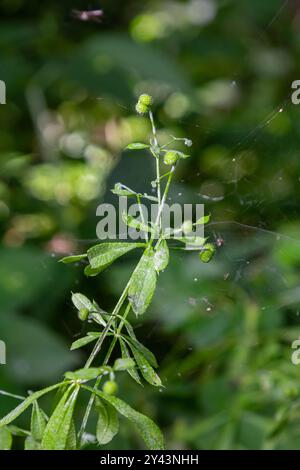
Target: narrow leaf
x=72, y=259
x=203, y=220
x=161, y=256
x=90, y=272
x=71, y=443
x=82, y=302
x=86, y=373
x=125, y=354
x=192, y=241
x=32, y=444
x=123, y=364
x=58, y=427
x=134, y=343
x=105, y=253
x=137, y=146
x=135, y=223
x=149, y=431
x=142, y=283
x=119, y=190
x=38, y=422
x=108, y=422
x=25, y=404
x=79, y=343
x=16, y=431
x=5, y=439
x=146, y=370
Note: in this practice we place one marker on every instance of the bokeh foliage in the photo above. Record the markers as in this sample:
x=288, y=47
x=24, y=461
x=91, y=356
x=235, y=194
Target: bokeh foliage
x=221, y=74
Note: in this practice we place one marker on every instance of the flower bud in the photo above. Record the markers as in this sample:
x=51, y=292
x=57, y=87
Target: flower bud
x=187, y=227
x=207, y=253
x=170, y=158
x=83, y=313
x=110, y=387
x=141, y=108
x=145, y=99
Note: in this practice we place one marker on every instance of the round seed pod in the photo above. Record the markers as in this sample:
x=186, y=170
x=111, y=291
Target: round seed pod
x=207, y=253
x=145, y=99
x=141, y=108
x=83, y=313
x=110, y=387
x=170, y=158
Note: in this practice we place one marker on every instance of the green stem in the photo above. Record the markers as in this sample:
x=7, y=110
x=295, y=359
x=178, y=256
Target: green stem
x=157, y=164
x=142, y=214
x=165, y=195
x=105, y=362
x=107, y=327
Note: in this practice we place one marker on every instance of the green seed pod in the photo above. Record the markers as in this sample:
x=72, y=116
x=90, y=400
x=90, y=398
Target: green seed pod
x=141, y=108
x=207, y=253
x=170, y=158
x=110, y=387
x=83, y=313
x=145, y=99
x=187, y=227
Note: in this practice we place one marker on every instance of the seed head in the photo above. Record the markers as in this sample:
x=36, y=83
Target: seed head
x=141, y=108
x=170, y=158
x=110, y=387
x=207, y=253
x=145, y=99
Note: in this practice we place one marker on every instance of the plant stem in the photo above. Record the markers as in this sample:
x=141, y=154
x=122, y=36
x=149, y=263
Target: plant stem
x=157, y=164
x=165, y=194
x=107, y=327
x=105, y=362
x=142, y=214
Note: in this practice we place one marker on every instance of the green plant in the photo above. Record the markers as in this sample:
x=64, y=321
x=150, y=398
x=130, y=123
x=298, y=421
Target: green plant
x=58, y=432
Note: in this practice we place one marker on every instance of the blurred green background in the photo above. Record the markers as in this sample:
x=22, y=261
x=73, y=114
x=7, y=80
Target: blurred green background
x=221, y=74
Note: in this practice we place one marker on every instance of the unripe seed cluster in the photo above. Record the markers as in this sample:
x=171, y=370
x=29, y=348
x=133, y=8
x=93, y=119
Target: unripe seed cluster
x=144, y=103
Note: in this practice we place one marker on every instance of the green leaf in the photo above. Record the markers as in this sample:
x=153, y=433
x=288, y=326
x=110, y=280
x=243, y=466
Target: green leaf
x=146, y=370
x=25, y=404
x=72, y=259
x=100, y=256
x=5, y=439
x=123, y=364
x=71, y=443
x=58, y=428
x=82, y=302
x=125, y=354
x=203, y=220
x=119, y=190
x=85, y=373
x=137, y=146
x=16, y=431
x=134, y=343
x=108, y=422
x=90, y=272
x=142, y=283
x=135, y=223
x=149, y=431
x=192, y=241
x=38, y=422
x=79, y=343
x=161, y=256
x=32, y=444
